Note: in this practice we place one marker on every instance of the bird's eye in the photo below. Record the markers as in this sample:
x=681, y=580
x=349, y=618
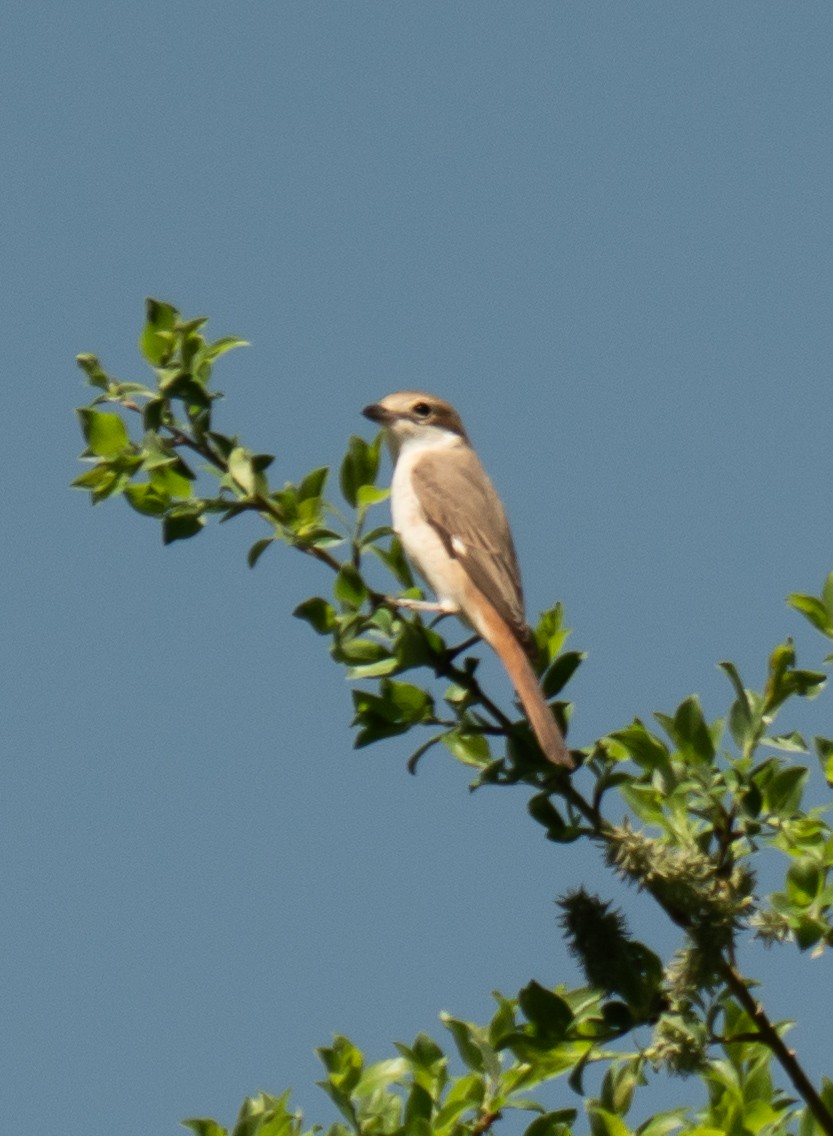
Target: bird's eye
x=421, y=409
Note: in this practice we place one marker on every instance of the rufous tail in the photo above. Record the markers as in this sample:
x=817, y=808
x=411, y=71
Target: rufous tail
x=513, y=656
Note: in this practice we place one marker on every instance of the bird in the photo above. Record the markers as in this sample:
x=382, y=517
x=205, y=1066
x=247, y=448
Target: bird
x=453, y=528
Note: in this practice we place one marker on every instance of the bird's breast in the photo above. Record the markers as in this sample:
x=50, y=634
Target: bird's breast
x=421, y=541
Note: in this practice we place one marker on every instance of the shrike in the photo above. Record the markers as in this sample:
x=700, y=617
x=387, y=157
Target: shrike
x=453, y=527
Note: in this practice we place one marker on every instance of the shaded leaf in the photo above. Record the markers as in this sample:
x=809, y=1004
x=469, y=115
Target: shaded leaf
x=312, y=485
x=359, y=467
x=201, y=1127
x=257, y=550
x=552, y=1123
x=319, y=614
x=559, y=673
x=349, y=588
x=180, y=525
x=549, y=1014
x=824, y=751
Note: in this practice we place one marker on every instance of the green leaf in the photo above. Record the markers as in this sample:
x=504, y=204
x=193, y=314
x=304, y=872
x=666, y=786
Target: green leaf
x=788, y=743
x=381, y=664
x=147, y=499
x=465, y=1094
x=247, y=468
x=824, y=751
x=542, y=810
x=552, y=1123
x=419, y=1107
x=257, y=550
x=784, y=680
x=549, y=1015
x=319, y=614
x=202, y=1127
x=349, y=588
x=469, y=1045
x=180, y=524
x=359, y=651
x=158, y=341
x=359, y=467
x=222, y=443
x=576, y=1078
x=815, y=611
x=647, y=801
x=550, y=633
x=808, y=931
x=397, y=707
x=745, y=723
x=503, y=1022
x=644, y=748
x=221, y=346
x=428, y=1064
x=312, y=485
x=155, y=413
x=805, y=879
x=689, y=731
x=560, y=671
x=266, y=1115
x=394, y=559
x=664, y=1123
x=368, y=495
x=172, y=479
x=605, y=1123
x=412, y=702
x=468, y=748
x=91, y=367
x=785, y=789
x=103, y=480
x=416, y=645
x=380, y=1075
x=819, y=611
x=620, y=1083
x=157, y=346
x=420, y=752
x=105, y=433
x=160, y=315
x=343, y=1063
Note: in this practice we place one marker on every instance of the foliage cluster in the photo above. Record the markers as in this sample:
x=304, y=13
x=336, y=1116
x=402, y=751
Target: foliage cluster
x=703, y=803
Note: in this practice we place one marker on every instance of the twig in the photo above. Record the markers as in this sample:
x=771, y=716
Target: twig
x=485, y=1122
x=786, y=1057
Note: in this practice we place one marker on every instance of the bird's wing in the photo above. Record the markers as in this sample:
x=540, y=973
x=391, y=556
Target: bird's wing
x=460, y=503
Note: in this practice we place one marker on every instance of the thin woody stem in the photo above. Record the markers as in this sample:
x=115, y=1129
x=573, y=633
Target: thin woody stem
x=470, y=683
x=767, y=1034
x=785, y=1056
x=485, y=1122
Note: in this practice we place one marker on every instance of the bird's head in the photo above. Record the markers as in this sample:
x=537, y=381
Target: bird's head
x=415, y=418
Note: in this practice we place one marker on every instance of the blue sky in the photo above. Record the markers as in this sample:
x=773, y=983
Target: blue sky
x=604, y=232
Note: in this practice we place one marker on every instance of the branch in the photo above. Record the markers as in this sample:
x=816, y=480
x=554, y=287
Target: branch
x=772, y=1039
x=485, y=1122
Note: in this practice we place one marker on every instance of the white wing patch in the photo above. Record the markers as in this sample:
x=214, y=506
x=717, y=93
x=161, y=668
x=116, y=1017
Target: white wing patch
x=458, y=546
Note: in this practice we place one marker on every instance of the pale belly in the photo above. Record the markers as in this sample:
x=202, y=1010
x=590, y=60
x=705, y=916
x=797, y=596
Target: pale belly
x=422, y=544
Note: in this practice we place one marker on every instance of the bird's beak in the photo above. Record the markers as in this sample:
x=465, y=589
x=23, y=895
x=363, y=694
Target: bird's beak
x=377, y=413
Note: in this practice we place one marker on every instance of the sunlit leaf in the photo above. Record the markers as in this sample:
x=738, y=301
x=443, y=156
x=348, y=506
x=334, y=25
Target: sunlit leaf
x=105, y=433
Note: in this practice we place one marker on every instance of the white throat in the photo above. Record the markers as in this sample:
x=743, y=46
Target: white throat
x=408, y=444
